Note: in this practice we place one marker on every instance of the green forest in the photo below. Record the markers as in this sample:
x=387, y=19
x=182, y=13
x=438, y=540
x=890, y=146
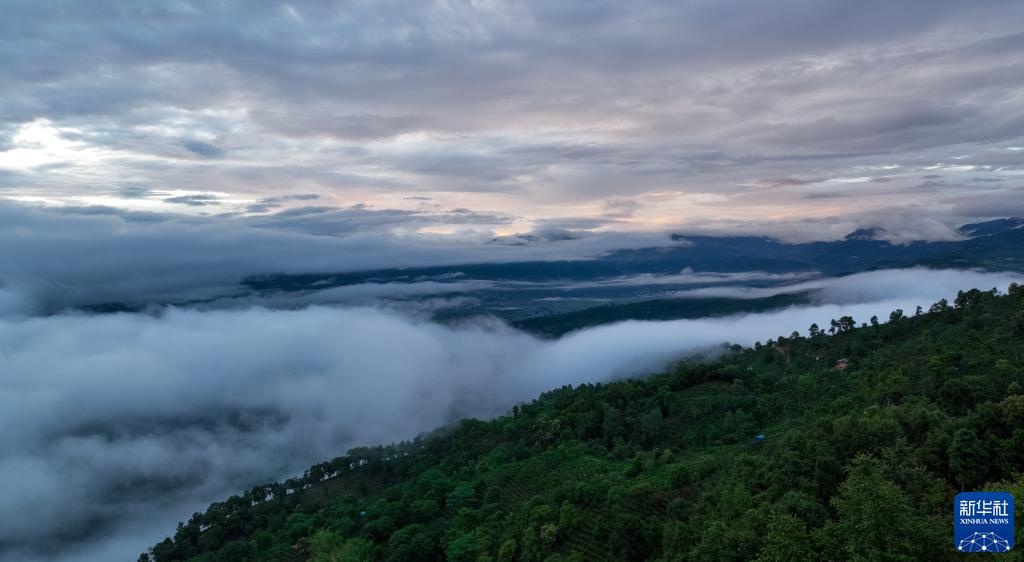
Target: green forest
x=846, y=442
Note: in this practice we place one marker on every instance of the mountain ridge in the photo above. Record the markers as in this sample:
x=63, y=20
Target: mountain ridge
x=997, y=245
x=782, y=451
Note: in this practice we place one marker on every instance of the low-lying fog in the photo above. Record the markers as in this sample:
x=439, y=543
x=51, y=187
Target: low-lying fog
x=117, y=426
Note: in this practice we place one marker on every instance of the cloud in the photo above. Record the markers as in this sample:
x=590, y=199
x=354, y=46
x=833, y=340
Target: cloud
x=334, y=137
x=69, y=256
x=60, y=257
x=203, y=149
x=410, y=297
x=406, y=295
x=864, y=287
x=199, y=200
x=536, y=111
x=334, y=221
x=134, y=192
x=990, y=204
x=784, y=182
x=268, y=203
x=117, y=425
x=621, y=208
x=894, y=224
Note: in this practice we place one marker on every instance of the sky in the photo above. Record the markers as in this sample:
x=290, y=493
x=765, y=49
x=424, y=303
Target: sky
x=156, y=153
x=470, y=119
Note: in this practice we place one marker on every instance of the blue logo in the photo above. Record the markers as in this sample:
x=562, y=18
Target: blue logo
x=983, y=522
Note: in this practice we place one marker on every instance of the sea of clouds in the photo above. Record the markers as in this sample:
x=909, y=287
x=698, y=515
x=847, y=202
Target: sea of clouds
x=119, y=425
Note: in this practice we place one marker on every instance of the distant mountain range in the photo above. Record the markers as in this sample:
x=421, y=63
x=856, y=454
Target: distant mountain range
x=555, y=297
x=996, y=245
x=992, y=227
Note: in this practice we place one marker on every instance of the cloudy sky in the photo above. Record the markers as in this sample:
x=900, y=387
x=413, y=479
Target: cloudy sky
x=155, y=152
x=480, y=117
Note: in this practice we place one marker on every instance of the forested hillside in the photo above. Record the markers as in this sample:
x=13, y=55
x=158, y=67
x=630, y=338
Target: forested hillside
x=837, y=446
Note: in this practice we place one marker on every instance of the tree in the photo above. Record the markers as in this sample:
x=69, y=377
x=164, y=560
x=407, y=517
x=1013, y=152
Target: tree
x=967, y=299
x=896, y=315
x=507, y=551
x=612, y=425
x=710, y=540
x=787, y=540
x=164, y=550
x=814, y=331
x=235, y=551
x=324, y=544
x=650, y=425
x=675, y=541
x=1015, y=289
x=941, y=306
x=496, y=489
x=463, y=549
x=631, y=539
x=846, y=323
x=874, y=321
x=412, y=543
x=548, y=533
x=873, y=511
x=967, y=458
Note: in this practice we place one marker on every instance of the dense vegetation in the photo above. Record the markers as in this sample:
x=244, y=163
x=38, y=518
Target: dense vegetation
x=868, y=434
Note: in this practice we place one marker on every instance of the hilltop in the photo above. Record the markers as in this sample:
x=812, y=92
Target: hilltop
x=843, y=446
